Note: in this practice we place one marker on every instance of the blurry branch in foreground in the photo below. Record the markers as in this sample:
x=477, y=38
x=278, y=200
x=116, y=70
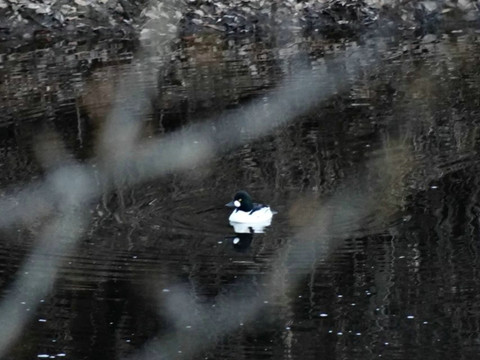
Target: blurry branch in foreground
x=68, y=190
x=59, y=236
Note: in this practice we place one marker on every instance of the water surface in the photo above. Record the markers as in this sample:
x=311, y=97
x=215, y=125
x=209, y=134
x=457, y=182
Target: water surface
x=400, y=276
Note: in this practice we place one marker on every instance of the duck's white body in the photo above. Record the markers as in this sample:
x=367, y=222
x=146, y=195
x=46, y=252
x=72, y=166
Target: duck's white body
x=243, y=222
x=247, y=217
x=248, y=228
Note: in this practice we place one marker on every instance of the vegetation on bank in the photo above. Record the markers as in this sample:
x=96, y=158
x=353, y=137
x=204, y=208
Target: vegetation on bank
x=46, y=20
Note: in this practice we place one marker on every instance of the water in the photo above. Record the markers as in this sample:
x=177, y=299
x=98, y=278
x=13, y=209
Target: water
x=373, y=252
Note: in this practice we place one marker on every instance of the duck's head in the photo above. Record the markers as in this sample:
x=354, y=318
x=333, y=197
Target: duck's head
x=241, y=201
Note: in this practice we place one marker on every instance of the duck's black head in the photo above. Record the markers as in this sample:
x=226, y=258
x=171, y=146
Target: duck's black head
x=241, y=201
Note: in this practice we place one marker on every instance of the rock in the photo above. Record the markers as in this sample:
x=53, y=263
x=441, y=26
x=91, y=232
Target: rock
x=81, y=2
x=68, y=10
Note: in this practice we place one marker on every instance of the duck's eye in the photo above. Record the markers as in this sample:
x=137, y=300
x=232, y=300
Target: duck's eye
x=240, y=200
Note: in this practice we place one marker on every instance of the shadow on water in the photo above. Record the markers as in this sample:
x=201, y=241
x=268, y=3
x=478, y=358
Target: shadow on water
x=397, y=279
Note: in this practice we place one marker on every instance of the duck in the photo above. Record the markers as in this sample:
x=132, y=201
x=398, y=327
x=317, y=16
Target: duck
x=248, y=212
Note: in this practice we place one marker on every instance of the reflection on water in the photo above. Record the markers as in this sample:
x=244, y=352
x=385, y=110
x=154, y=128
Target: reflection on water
x=242, y=228
x=403, y=283
x=242, y=241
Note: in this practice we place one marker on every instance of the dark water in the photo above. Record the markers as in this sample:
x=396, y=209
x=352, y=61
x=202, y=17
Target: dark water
x=401, y=277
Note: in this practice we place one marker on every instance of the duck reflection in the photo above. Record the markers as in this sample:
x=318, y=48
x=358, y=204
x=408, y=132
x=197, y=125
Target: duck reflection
x=242, y=242
x=244, y=234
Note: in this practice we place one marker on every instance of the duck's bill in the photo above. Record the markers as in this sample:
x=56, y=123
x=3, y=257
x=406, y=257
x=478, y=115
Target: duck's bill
x=230, y=204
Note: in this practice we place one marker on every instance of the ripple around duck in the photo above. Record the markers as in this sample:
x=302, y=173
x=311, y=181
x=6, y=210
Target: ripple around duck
x=174, y=238
x=162, y=243
x=189, y=214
